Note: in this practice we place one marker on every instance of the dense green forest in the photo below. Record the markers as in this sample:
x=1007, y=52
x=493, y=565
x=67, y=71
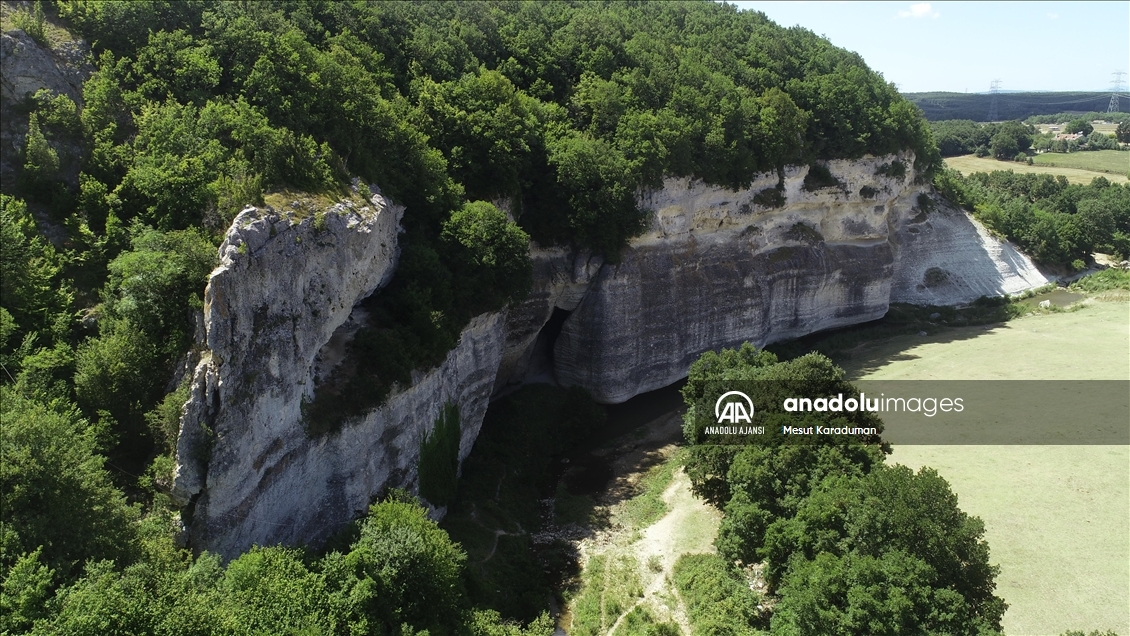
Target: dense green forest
x=558, y=112
x=937, y=106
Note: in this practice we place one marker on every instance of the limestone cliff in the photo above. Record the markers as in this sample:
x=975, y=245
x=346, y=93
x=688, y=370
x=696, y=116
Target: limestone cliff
x=715, y=268
x=946, y=257
x=265, y=321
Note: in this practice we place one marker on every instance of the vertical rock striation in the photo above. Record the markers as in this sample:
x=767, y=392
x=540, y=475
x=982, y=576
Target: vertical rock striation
x=716, y=268
x=945, y=257
x=265, y=321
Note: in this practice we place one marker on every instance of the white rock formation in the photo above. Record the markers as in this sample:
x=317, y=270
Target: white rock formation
x=946, y=257
x=713, y=270
x=282, y=287
x=716, y=269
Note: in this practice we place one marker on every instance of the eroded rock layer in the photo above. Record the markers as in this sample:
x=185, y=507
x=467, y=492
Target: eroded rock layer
x=716, y=268
x=282, y=287
x=945, y=257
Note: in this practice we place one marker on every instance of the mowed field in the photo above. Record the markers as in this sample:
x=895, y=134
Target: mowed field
x=1057, y=518
x=1103, y=128
x=968, y=164
x=1115, y=161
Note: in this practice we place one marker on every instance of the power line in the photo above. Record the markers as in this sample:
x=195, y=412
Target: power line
x=1115, y=88
x=994, y=89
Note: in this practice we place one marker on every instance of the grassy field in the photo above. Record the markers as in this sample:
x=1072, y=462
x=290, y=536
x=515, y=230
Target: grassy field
x=1103, y=128
x=1114, y=161
x=968, y=164
x=1057, y=517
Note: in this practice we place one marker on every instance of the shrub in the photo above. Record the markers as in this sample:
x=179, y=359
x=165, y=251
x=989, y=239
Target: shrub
x=718, y=598
x=819, y=177
x=935, y=276
x=895, y=169
x=770, y=197
x=32, y=22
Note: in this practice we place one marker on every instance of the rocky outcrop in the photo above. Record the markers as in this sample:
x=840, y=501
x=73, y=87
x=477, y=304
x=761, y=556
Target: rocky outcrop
x=283, y=486
x=26, y=67
x=719, y=267
x=716, y=268
x=946, y=257
x=283, y=286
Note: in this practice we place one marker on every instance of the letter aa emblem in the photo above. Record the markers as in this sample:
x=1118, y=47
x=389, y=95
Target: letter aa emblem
x=734, y=411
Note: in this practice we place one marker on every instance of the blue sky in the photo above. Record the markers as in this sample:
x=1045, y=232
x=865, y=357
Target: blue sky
x=959, y=46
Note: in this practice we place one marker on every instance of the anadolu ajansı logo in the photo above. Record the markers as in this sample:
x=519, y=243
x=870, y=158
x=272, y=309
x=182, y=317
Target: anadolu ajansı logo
x=734, y=411
x=734, y=408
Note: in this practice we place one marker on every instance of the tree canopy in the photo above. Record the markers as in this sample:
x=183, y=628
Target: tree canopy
x=849, y=544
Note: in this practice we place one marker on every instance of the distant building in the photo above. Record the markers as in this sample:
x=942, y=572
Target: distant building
x=1068, y=137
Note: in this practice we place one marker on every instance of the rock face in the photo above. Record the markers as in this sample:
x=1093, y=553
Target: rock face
x=715, y=268
x=26, y=67
x=283, y=286
x=945, y=257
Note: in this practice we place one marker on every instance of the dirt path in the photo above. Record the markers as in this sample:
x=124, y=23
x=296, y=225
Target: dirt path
x=688, y=526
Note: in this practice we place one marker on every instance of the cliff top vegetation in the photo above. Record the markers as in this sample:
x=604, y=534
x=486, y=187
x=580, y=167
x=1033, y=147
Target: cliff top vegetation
x=560, y=111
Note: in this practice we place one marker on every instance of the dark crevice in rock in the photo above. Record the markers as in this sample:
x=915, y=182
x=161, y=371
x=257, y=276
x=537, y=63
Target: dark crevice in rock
x=541, y=360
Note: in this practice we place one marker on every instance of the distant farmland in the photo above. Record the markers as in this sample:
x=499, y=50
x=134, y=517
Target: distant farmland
x=1098, y=160
x=975, y=106
x=968, y=164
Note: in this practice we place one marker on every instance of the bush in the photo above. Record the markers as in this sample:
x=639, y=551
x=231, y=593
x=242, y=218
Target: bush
x=32, y=22
x=770, y=197
x=718, y=598
x=1104, y=280
x=895, y=169
x=819, y=177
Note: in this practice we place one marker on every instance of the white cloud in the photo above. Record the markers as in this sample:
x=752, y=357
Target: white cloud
x=920, y=10
x=1053, y=16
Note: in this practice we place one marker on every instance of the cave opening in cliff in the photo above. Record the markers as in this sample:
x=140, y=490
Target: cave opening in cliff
x=541, y=361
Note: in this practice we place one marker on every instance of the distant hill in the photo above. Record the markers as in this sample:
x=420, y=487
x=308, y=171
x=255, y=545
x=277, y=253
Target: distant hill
x=975, y=106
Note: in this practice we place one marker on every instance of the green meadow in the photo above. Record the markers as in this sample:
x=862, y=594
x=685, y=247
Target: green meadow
x=1113, y=161
x=968, y=164
x=1057, y=517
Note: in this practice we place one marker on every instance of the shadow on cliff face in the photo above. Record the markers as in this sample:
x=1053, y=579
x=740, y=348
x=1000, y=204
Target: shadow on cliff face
x=541, y=360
